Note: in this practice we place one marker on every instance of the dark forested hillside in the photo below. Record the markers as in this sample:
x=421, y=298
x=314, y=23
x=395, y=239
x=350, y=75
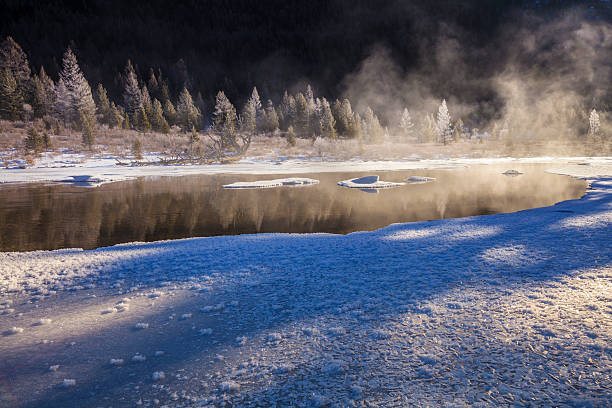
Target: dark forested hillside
x=235, y=44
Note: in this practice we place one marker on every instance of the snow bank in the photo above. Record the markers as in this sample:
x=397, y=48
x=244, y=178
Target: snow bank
x=291, y=182
x=368, y=182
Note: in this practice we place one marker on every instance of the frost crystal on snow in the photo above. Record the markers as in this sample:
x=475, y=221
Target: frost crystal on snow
x=186, y=316
x=204, y=332
x=139, y=358
x=68, y=383
x=229, y=386
x=42, y=322
x=140, y=326
x=54, y=367
x=116, y=361
x=158, y=375
x=15, y=330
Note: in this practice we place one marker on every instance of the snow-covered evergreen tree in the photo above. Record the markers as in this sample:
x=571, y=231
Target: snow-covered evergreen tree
x=302, y=115
x=157, y=119
x=132, y=96
x=147, y=104
x=287, y=111
x=103, y=104
x=79, y=91
x=373, y=131
x=327, y=121
x=224, y=119
x=406, y=125
x=188, y=115
x=252, y=110
x=443, y=124
x=169, y=112
x=270, y=119
x=11, y=102
x=594, y=125
x=15, y=60
x=63, y=102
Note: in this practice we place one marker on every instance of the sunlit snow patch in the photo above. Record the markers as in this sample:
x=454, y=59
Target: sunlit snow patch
x=368, y=182
x=286, y=182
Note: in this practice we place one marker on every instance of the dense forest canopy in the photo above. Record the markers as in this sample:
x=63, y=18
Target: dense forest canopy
x=211, y=45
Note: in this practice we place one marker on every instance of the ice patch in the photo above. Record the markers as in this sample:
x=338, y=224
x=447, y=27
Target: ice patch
x=41, y=322
x=420, y=179
x=512, y=173
x=116, y=361
x=292, y=182
x=186, y=316
x=139, y=358
x=140, y=326
x=368, y=182
x=158, y=375
x=14, y=330
x=205, y=332
x=54, y=367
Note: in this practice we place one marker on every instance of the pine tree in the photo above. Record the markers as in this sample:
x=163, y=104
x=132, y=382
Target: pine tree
x=224, y=120
x=406, y=125
x=11, y=103
x=443, y=124
x=147, y=104
x=158, y=122
x=141, y=121
x=87, y=124
x=327, y=121
x=153, y=83
x=104, y=107
x=115, y=117
x=137, y=149
x=34, y=141
x=169, y=112
x=373, y=130
x=48, y=92
x=270, y=121
x=132, y=97
x=249, y=117
x=594, y=125
x=126, y=121
x=302, y=115
x=188, y=115
x=291, y=136
x=15, y=60
x=46, y=140
x=195, y=137
x=79, y=92
x=287, y=111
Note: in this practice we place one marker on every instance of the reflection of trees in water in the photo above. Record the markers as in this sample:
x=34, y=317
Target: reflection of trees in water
x=46, y=217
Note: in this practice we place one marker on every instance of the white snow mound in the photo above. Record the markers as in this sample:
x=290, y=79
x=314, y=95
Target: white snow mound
x=292, y=181
x=368, y=182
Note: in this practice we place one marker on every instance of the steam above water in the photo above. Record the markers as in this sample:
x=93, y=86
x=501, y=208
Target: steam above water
x=535, y=78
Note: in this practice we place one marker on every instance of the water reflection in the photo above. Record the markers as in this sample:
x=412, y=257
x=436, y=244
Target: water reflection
x=40, y=216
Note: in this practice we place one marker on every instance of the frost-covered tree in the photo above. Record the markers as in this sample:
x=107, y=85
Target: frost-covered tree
x=62, y=103
x=15, y=60
x=141, y=120
x=43, y=94
x=147, y=104
x=158, y=121
x=443, y=124
x=302, y=115
x=115, y=116
x=255, y=101
x=594, y=125
x=11, y=102
x=169, y=112
x=103, y=103
x=188, y=115
x=270, y=120
x=327, y=121
x=372, y=131
x=34, y=141
x=153, y=83
x=132, y=96
x=406, y=125
x=346, y=124
x=248, y=117
x=287, y=111
x=224, y=120
x=87, y=123
x=291, y=136
x=79, y=91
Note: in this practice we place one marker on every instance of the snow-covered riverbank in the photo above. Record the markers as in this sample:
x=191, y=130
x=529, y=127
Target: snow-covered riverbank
x=495, y=310
x=105, y=168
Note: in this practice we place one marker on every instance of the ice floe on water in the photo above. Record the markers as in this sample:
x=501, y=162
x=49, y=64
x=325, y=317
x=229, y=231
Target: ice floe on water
x=512, y=172
x=284, y=182
x=420, y=179
x=368, y=183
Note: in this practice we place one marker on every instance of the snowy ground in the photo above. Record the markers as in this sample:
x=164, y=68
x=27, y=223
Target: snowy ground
x=507, y=309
